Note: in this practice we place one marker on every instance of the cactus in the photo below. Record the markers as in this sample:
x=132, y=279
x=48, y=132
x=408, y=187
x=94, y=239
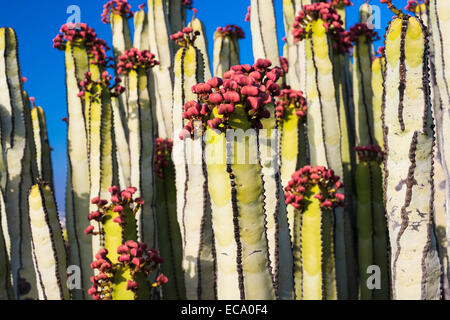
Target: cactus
x=313, y=193
x=123, y=266
x=371, y=223
x=6, y=293
x=378, y=66
x=49, y=252
x=193, y=203
x=408, y=165
x=226, y=48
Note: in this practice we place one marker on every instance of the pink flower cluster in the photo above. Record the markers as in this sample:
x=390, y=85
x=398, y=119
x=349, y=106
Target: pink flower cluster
x=185, y=37
x=309, y=176
x=363, y=30
x=87, y=37
x=284, y=64
x=163, y=150
x=341, y=3
x=332, y=23
x=243, y=86
x=289, y=97
x=119, y=7
x=369, y=153
x=88, y=85
x=248, y=15
x=134, y=59
x=231, y=30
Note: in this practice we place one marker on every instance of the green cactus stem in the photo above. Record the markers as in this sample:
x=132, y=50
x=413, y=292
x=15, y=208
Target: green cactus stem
x=6, y=293
x=160, y=44
x=264, y=31
x=19, y=179
x=49, y=252
x=371, y=223
x=42, y=145
x=378, y=66
x=123, y=265
x=313, y=192
x=324, y=131
x=408, y=165
x=135, y=65
x=170, y=243
x=236, y=184
x=193, y=203
x=226, y=48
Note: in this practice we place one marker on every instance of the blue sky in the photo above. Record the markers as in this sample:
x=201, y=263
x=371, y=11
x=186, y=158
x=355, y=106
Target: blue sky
x=37, y=23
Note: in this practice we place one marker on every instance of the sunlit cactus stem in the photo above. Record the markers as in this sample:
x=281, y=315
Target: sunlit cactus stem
x=201, y=43
x=169, y=235
x=313, y=192
x=49, y=252
x=7, y=292
x=226, y=48
x=371, y=224
x=378, y=66
x=408, y=166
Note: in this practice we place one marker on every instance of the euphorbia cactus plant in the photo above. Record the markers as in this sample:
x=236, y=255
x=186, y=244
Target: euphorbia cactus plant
x=124, y=265
x=313, y=192
x=226, y=48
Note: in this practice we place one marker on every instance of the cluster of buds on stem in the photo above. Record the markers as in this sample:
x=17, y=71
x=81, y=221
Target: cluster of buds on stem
x=134, y=59
x=185, y=37
x=188, y=4
x=303, y=180
x=231, y=30
x=248, y=15
x=82, y=34
x=244, y=86
x=369, y=153
x=415, y=6
x=289, y=97
x=163, y=150
x=119, y=7
x=363, y=30
x=332, y=23
x=92, y=87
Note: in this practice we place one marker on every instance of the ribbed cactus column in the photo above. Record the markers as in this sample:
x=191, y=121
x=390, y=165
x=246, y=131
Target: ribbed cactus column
x=169, y=235
x=193, y=203
x=15, y=144
x=49, y=252
x=161, y=46
x=6, y=293
x=290, y=8
x=371, y=224
x=202, y=44
x=123, y=265
x=313, y=192
x=324, y=131
x=233, y=109
x=378, y=67
x=175, y=11
x=226, y=48
x=409, y=140
x=142, y=129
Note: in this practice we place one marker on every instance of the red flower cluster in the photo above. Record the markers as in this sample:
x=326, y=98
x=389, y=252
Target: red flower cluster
x=134, y=256
x=231, y=30
x=369, y=153
x=243, y=86
x=308, y=176
x=134, y=59
x=363, y=30
x=341, y=3
x=332, y=23
x=85, y=36
x=119, y=7
x=289, y=97
x=185, y=37
x=88, y=85
x=163, y=151
x=248, y=15
x=284, y=64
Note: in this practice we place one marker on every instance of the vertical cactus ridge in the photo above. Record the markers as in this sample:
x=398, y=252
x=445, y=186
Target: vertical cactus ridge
x=226, y=48
x=292, y=53
x=161, y=46
x=408, y=130
x=18, y=161
x=362, y=37
x=193, y=202
x=176, y=13
x=264, y=31
x=7, y=292
x=170, y=243
x=49, y=251
x=313, y=192
x=378, y=65
x=371, y=222
x=42, y=145
x=202, y=44
x=141, y=29
x=135, y=66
